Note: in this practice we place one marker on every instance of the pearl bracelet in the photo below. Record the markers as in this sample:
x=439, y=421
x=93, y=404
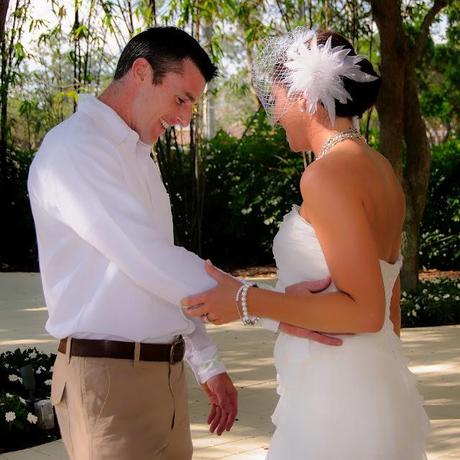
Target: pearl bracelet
x=246, y=319
x=237, y=300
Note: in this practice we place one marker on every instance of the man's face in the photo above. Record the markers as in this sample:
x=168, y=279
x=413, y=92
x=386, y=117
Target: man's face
x=157, y=107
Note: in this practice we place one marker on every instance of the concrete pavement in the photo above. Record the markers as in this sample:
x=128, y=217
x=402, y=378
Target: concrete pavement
x=434, y=355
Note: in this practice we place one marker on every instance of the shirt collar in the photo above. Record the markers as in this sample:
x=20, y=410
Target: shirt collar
x=109, y=122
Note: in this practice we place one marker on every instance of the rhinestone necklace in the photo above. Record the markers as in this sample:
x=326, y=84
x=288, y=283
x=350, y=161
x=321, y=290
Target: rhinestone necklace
x=350, y=133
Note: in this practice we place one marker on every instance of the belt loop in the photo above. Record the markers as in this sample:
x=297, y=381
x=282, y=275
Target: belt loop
x=137, y=353
x=68, y=349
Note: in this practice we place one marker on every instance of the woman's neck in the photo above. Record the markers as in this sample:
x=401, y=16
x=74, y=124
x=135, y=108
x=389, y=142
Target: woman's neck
x=321, y=133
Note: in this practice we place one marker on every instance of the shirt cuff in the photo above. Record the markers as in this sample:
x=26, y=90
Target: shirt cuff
x=269, y=324
x=206, y=365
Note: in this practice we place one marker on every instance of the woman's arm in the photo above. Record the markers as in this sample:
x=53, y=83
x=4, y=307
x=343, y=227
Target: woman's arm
x=336, y=211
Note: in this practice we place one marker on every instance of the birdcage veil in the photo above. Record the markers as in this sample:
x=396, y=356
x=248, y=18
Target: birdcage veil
x=300, y=67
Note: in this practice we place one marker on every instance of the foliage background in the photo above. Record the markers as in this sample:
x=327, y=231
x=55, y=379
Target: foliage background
x=233, y=181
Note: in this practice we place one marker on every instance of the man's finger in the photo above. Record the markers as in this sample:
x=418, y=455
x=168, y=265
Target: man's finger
x=309, y=334
x=212, y=414
x=326, y=339
x=222, y=423
x=319, y=285
x=216, y=420
x=231, y=418
x=309, y=286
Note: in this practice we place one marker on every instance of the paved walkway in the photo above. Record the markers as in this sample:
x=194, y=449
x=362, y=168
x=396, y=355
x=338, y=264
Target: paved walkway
x=434, y=357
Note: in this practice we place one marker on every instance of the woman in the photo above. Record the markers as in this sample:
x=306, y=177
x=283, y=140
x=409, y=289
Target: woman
x=357, y=401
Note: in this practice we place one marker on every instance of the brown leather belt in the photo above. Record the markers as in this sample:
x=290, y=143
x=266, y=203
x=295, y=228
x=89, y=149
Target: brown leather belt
x=172, y=353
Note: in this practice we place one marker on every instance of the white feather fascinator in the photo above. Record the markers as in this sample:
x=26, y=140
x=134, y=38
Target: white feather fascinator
x=295, y=65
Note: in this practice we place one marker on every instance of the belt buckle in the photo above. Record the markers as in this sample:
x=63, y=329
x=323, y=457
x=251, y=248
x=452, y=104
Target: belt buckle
x=177, y=351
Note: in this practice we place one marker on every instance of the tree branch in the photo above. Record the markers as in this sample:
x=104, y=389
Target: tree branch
x=424, y=31
x=3, y=12
x=284, y=16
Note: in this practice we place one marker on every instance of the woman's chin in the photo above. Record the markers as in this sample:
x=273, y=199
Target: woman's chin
x=295, y=148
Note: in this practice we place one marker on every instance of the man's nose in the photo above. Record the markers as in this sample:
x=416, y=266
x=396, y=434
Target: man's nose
x=185, y=117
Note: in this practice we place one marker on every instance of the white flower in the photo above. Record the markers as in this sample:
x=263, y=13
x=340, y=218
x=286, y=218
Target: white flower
x=417, y=306
x=425, y=291
x=7, y=366
x=458, y=286
x=414, y=313
x=9, y=395
x=403, y=293
x=436, y=298
x=23, y=401
x=14, y=378
x=446, y=296
x=457, y=297
x=31, y=418
x=317, y=71
x=10, y=416
x=48, y=382
x=52, y=368
x=33, y=355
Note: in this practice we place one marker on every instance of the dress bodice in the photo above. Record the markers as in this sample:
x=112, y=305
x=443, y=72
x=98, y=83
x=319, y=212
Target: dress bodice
x=299, y=257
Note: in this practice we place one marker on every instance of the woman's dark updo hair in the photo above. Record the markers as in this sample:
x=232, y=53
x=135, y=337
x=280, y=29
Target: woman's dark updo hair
x=363, y=94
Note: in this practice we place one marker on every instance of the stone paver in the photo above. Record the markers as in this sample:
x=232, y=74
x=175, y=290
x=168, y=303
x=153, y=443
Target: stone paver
x=434, y=355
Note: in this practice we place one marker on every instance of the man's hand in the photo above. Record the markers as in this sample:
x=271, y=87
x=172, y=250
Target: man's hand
x=312, y=287
x=223, y=397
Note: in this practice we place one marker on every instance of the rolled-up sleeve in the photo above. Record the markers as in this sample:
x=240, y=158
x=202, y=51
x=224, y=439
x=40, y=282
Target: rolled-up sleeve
x=202, y=355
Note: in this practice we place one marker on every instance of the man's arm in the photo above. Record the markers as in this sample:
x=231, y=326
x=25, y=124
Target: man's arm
x=92, y=198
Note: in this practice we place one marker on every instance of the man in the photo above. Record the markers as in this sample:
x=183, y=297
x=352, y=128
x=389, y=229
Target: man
x=111, y=274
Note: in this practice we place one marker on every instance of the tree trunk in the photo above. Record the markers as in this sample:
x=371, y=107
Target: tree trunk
x=416, y=175
x=400, y=117
x=390, y=103
x=4, y=83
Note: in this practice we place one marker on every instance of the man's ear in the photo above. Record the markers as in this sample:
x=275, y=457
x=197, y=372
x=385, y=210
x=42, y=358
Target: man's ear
x=141, y=70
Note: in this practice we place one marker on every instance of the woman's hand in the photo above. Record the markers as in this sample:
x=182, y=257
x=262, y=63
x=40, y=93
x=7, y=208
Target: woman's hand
x=217, y=305
x=305, y=288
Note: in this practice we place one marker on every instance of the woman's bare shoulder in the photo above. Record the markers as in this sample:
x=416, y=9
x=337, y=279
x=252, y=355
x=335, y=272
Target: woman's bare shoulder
x=330, y=173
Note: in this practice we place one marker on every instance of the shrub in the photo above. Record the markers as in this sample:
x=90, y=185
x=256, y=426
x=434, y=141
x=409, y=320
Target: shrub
x=18, y=423
x=440, y=232
x=434, y=303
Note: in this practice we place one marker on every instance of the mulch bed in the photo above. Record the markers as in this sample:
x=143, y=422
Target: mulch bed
x=429, y=275
x=269, y=271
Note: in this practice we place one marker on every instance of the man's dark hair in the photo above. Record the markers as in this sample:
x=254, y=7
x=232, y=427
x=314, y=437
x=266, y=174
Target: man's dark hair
x=165, y=48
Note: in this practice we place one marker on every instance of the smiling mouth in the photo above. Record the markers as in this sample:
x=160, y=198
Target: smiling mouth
x=164, y=124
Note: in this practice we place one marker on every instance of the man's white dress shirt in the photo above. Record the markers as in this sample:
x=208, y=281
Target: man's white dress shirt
x=109, y=266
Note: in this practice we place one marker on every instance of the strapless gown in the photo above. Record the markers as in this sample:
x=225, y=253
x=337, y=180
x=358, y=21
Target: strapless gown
x=358, y=401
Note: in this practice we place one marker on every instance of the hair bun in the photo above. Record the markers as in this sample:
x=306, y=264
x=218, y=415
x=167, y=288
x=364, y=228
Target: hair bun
x=363, y=94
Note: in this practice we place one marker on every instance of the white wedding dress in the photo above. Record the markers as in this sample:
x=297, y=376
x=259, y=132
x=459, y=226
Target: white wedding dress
x=354, y=402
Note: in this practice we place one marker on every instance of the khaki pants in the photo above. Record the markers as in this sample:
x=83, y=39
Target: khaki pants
x=120, y=409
